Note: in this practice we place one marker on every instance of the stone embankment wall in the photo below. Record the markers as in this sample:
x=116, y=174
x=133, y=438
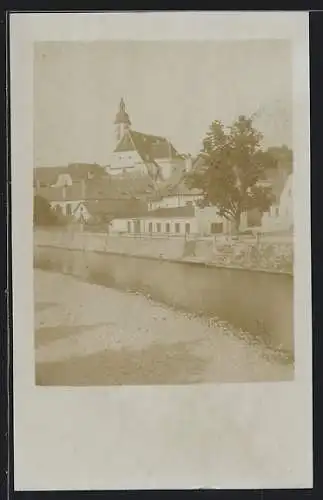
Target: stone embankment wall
x=244, y=253
x=258, y=302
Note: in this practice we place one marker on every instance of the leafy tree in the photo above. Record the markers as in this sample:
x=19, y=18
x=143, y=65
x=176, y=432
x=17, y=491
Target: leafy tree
x=234, y=165
x=43, y=213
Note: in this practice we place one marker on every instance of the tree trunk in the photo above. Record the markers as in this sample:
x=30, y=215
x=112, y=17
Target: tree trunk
x=236, y=223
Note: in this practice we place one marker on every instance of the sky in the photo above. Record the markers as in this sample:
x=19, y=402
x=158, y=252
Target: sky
x=171, y=88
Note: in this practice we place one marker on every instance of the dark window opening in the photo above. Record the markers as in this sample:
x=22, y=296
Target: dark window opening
x=177, y=227
x=167, y=227
x=150, y=227
x=158, y=226
x=187, y=228
x=216, y=227
x=129, y=227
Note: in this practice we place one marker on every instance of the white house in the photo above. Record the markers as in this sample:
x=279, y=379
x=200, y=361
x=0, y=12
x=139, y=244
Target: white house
x=172, y=222
x=280, y=215
x=161, y=222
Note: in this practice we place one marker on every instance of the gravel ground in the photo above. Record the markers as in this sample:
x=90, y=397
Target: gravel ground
x=87, y=334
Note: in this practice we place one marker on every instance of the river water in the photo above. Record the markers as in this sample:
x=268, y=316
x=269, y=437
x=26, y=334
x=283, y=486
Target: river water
x=86, y=334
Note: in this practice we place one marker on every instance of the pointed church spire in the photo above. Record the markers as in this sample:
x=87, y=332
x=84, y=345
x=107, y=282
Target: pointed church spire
x=122, y=121
x=122, y=115
x=122, y=106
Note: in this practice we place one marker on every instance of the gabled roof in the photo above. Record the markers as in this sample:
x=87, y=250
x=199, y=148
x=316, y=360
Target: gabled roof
x=149, y=147
x=163, y=213
x=78, y=171
x=116, y=208
x=106, y=187
x=52, y=194
x=187, y=211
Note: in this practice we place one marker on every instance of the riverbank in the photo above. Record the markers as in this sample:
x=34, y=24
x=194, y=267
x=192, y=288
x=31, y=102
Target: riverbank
x=259, y=302
x=271, y=254
x=86, y=334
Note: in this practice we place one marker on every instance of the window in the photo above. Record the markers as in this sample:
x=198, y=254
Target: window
x=187, y=228
x=150, y=227
x=129, y=227
x=158, y=226
x=68, y=209
x=216, y=227
x=167, y=227
x=277, y=211
x=177, y=227
x=137, y=226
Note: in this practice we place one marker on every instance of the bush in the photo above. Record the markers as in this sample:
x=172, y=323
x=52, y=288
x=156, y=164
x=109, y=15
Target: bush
x=43, y=213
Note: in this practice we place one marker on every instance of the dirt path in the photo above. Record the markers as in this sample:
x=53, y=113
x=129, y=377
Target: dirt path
x=87, y=334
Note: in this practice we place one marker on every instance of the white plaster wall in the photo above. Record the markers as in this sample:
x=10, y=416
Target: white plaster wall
x=119, y=226
x=280, y=217
x=208, y=215
x=172, y=225
x=125, y=160
x=286, y=204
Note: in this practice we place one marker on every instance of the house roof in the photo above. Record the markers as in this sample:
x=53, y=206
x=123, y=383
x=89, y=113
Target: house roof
x=78, y=171
x=52, y=194
x=163, y=213
x=106, y=187
x=187, y=211
x=116, y=208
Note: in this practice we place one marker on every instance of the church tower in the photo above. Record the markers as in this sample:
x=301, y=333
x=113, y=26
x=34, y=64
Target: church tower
x=122, y=121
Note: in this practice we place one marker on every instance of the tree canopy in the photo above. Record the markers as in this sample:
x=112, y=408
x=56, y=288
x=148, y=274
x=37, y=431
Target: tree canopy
x=43, y=213
x=234, y=166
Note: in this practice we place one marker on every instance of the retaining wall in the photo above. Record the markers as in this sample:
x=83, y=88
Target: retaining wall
x=259, y=302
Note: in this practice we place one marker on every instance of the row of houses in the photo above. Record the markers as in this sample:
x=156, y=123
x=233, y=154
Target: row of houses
x=142, y=190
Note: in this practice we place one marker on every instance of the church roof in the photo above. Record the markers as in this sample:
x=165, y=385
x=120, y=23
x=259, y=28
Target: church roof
x=149, y=147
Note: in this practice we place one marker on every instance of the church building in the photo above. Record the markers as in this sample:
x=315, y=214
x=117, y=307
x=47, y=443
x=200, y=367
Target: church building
x=141, y=154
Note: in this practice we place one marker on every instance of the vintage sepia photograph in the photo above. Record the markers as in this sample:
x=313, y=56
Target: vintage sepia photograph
x=163, y=212
x=161, y=251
